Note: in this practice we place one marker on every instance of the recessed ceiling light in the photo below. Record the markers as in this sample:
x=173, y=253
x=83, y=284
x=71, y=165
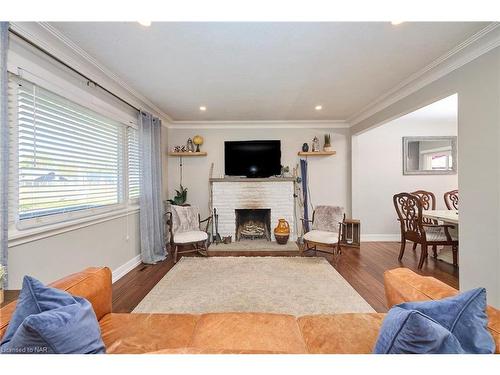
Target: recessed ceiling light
x=318, y=107
x=203, y=108
x=145, y=23
x=395, y=23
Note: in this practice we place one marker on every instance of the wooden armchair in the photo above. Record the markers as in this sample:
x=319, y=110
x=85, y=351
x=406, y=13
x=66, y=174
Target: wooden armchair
x=409, y=210
x=184, y=224
x=326, y=230
x=451, y=199
x=428, y=200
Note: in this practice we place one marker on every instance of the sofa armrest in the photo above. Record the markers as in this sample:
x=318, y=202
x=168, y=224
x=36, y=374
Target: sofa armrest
x=93, y=284
x=404, y=285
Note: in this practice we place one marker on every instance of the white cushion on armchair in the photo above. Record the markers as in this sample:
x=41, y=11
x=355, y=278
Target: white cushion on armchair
x=321, y=236
x=190, y=236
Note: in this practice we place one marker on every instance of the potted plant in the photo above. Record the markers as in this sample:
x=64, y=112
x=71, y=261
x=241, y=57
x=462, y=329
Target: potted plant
x=180, y=197
x=327, y=146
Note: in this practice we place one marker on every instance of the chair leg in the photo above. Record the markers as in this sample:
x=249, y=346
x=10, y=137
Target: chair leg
x=175, y=253
x=402, y=250
x=434, y=251
x=205, y=248
x=415, y=246
x=454, y=249
x=423, y=255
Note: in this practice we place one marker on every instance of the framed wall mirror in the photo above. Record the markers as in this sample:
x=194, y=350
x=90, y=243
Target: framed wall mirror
x=429, y=155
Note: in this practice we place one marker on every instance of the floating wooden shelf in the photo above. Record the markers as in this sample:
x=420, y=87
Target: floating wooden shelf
x=317, y=153
x=187, y=154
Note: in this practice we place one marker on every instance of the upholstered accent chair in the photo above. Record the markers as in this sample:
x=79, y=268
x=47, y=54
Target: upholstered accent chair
x=409, y=210
x=451, y=199
x=326, y=230
x=184, y=224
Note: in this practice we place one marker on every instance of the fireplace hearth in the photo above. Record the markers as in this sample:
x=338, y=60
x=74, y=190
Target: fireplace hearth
x=253, y=224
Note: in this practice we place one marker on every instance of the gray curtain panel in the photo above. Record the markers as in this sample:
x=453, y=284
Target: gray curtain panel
x=4, y=148
x=151, y=213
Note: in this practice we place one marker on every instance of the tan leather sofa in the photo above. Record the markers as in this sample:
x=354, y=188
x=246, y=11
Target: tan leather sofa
x=244, y=332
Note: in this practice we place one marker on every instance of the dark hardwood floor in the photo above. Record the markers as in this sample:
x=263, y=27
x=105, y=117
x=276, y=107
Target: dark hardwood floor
x=362, y=268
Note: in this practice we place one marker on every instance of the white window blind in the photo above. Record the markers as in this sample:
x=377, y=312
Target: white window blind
x=70, y=158
x=133, y=164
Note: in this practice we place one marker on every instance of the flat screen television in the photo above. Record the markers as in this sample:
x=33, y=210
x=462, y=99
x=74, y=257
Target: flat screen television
x=252, y=158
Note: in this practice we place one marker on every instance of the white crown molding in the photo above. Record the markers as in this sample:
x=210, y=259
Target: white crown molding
x=139, y=99
x=480, y=43
x=275, y=124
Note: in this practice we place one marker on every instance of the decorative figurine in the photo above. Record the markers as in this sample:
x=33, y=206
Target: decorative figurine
x=285, y=170
x=305, y=147
x=190, y=145
x=315, y=144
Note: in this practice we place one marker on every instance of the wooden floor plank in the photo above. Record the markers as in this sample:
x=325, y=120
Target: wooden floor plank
x=363, y=268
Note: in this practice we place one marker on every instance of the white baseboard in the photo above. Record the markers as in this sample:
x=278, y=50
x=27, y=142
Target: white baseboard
x=381, y=237
x=121, y=271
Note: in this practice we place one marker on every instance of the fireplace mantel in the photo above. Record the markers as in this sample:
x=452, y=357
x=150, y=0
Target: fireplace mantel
x=274, y=193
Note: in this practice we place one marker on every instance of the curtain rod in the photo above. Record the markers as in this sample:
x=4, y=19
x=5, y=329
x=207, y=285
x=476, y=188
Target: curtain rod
x=41, y=49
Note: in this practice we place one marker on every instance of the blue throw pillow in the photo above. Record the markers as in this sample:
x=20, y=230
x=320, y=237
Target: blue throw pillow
x=49, y=320
x=464, y=315
x=411, y=332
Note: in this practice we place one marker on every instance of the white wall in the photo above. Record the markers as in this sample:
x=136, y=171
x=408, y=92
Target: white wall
x=329, y=176
x=114, y=243
x=378, y=171
x=478, y=86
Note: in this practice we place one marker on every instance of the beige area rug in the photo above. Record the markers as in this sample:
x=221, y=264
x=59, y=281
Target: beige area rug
x=446, y=255
x=254, y=245
x=288, y=285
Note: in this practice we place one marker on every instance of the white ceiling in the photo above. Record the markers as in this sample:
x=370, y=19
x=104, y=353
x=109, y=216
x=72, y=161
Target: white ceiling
x=265, y=71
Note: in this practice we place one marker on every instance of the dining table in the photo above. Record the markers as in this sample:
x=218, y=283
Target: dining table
x=446, y=217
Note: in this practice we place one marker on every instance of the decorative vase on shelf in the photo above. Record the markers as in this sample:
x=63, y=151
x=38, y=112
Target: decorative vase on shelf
x=305, y=147
x=327, y=146
x=282, y=232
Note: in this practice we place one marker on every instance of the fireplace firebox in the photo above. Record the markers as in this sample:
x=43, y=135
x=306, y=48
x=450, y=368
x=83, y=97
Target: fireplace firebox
x=253, y=224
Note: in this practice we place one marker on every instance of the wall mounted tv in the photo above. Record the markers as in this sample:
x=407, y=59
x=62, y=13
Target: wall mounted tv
x=252, y=158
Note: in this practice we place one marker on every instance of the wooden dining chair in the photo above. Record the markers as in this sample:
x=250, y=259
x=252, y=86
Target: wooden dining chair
x=451, y=199
x=428, y=200
x=409, y=210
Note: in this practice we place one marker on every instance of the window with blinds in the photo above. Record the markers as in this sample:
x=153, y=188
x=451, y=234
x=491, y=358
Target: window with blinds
x=133, y=163
x=70, y=158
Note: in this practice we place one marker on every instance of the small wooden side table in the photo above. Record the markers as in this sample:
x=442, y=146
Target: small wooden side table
x=351, y=233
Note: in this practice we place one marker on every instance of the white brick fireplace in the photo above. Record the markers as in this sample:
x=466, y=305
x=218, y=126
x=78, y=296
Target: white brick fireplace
x=276, y=194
